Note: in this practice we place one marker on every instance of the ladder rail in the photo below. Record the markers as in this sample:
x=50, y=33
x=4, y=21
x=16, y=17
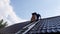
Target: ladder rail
x=23, y=28
x=29, y=26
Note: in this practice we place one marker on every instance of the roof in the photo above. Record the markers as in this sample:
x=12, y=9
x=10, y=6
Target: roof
x=46, y=25
x=14, y=28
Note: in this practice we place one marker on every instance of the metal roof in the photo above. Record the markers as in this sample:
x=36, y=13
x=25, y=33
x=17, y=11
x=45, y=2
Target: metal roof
x=46, y=25
x=14, y=28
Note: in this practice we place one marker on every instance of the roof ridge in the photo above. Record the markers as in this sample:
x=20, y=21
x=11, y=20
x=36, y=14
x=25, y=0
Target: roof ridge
x=51, y=17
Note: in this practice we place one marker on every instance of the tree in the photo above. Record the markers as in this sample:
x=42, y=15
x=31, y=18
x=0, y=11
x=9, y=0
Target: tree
x=2, y=24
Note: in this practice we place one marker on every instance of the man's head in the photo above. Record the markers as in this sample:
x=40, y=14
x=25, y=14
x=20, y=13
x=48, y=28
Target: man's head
x=34, y=13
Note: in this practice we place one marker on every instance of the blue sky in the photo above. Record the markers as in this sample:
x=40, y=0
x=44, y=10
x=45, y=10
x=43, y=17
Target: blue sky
x=47, y=8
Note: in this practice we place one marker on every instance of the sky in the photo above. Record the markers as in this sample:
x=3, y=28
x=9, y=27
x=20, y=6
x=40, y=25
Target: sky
x=17, y=11
x=46, y=8
x=8, y=14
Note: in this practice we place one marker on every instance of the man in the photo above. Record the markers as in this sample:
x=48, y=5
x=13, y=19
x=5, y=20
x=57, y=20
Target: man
x=34, y=17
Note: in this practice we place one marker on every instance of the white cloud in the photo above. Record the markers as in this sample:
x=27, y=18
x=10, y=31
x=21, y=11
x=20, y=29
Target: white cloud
x=7, y=13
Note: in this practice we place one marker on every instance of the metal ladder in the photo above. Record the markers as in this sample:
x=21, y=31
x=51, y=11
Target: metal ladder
x=25, y=29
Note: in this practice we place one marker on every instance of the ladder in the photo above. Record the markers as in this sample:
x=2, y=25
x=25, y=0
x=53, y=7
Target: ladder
x=25, y=29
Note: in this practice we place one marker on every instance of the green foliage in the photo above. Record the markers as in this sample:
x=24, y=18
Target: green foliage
x=2, y=24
